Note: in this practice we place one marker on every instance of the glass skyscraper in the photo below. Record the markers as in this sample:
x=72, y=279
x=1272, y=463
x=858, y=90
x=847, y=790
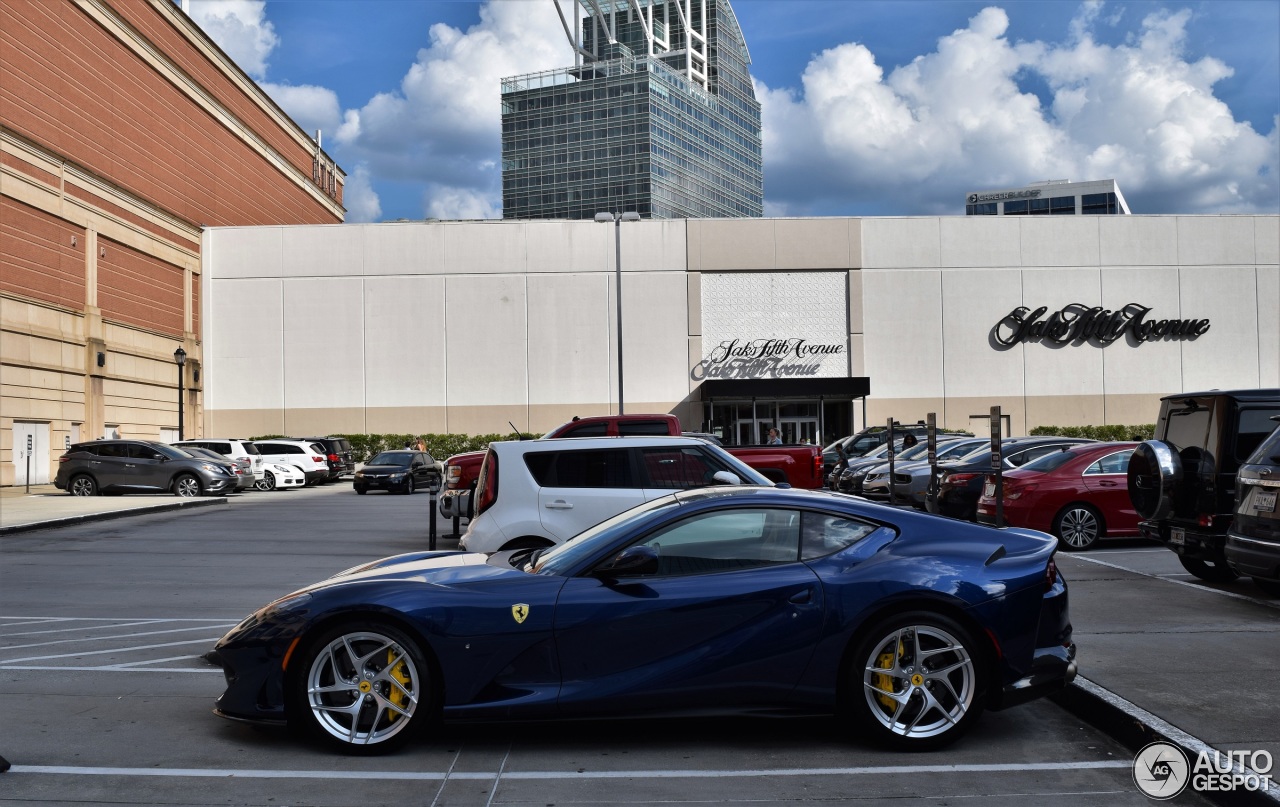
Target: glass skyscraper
x=658, y=116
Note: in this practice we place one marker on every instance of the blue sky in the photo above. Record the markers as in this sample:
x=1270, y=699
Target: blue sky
x=870, y=108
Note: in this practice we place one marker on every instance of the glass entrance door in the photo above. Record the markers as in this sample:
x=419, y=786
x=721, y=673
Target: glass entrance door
x=799, y=430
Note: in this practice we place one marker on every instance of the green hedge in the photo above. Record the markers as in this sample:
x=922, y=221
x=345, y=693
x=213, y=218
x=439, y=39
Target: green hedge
x=1146, y=431
x=440, y=446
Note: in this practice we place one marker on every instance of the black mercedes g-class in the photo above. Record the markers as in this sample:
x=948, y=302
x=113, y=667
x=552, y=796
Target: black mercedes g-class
x=1183, y=483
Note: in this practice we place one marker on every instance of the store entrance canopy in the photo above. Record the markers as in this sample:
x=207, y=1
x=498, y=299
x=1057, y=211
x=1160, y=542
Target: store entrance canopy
x=776, y=388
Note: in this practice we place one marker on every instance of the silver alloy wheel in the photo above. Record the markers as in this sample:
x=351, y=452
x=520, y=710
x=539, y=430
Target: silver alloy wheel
x=919, y=681
x=267, y=482
x=187, y=486
x=1079, y=527
x=363, y=688
x=83, y=486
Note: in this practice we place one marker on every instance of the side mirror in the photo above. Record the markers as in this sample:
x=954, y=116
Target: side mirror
x=417, y=465
x=726, y=478
x=160, y=457
x=634, y=560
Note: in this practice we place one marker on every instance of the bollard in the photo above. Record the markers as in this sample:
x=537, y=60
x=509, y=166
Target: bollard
x=433, y=488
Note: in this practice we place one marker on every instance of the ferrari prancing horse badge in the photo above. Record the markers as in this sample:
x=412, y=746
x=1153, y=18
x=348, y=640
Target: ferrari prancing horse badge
x=520, y=612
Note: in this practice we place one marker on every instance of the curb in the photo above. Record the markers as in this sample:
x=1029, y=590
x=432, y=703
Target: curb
x=1135, y=727
x=110, y=514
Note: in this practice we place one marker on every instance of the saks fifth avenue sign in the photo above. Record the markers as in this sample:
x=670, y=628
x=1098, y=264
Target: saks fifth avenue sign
x=768, y=358
x=1078, y=323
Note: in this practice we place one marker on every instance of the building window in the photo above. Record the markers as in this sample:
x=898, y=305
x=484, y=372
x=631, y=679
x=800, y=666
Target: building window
x=984, y=209
x=1018, y=208
x=1062, y=205
x=1098, y=204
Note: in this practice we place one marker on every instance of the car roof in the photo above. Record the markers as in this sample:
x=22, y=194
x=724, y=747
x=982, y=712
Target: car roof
x=1238, y=394
x=564, y=443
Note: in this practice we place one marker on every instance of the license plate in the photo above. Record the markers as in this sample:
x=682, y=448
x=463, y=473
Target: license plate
x=989, y=489
x=1177, y=535
x=1264, y=502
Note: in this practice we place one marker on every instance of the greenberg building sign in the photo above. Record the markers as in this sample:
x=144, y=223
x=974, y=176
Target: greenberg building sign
x=769, y=358
x=1078, y=323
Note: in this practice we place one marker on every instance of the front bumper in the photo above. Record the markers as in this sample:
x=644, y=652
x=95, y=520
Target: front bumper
x=380, y=483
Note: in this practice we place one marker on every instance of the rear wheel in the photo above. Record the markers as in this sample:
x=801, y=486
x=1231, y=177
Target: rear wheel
x=83, y=485
x=362, y=687
x=187, y=486
x=917, y=681
x=1078, y=526
x=267, y=482
x=1214, y=570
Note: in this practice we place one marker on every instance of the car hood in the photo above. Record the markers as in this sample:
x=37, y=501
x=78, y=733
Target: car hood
x=439, y=568
x=384, y=469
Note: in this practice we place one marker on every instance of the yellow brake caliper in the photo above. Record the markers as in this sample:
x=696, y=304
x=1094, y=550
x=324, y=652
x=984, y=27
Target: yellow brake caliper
x=884, y=683
x=401, y=674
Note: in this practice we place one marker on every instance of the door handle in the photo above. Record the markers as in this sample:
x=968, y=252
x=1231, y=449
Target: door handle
x=802, y=597
x=130, y=465
x=1107, y=484
x=559, y=504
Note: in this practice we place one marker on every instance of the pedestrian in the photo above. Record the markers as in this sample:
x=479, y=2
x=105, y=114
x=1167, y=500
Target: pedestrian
x=774, y=439
x=909, y=440
x=422, y=445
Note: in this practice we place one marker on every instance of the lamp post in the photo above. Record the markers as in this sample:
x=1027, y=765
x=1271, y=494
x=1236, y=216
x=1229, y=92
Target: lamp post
x=180, y=356
x=617, y=219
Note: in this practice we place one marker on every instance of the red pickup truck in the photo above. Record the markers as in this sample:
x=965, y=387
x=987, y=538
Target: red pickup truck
x=799, y=466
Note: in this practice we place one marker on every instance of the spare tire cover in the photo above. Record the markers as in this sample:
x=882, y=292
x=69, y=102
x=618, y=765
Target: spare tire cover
x=1155, y=474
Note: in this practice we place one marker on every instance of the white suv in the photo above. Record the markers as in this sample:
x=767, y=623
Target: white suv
x=536, y=493
x=312, y=459
x=242, y=452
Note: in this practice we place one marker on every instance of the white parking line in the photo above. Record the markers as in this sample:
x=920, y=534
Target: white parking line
x=1196, y=586
x=116, y=668
x=5, y=662
x=116, y=636
x=572, y=775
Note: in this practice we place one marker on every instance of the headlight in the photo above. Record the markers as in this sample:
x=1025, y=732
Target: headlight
x=210, y=467
x=397, y=476
x=359, y=474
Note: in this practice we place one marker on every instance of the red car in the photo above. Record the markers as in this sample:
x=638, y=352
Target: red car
x=1080, y=495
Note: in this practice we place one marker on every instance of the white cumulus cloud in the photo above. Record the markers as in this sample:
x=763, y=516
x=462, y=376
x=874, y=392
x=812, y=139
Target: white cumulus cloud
x=960, y=119
x=359, y=197
x=241, y=29
x=311, y=107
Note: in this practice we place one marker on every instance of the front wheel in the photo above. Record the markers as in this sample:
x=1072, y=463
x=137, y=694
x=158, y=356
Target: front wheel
x=186, y=486
x=362, y=687
x=918, y=679
x=408, y=486
x=1214, y=570
x=1078, y=527
x=267, y=482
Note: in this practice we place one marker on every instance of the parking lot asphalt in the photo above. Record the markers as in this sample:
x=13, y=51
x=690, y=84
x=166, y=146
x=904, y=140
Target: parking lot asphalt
x=101, y=628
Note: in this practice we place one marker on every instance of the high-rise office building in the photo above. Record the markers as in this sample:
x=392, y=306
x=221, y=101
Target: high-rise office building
x=657, y=116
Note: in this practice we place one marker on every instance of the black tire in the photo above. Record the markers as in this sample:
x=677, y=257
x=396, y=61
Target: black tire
x=1271, y=587
x=525, y=542
x=1078, y=526
x=361, y=491
x=82, y=485
x=187, y=486
x=1214, y=570
x=947, y=688
x=408, y=486
x=392, y=675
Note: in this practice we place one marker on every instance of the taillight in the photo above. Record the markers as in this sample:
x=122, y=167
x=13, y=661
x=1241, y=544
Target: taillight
x=1050, y=575
x=957, y=478
x=817, y=465
x=317, y=459
x=1205, y=520
x=487, y=484
x=64, y=458
x=1014, y=491
x=452, y=474
x=333, y=458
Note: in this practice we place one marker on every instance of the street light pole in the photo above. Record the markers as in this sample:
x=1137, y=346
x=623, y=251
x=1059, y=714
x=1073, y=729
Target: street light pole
x=617, y=219
x=180, y=357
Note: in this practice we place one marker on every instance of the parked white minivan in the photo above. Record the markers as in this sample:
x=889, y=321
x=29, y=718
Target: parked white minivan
x=534, y=493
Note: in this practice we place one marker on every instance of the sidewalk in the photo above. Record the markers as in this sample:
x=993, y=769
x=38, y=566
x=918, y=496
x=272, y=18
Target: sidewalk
x=46, y=506
x=1168, y=660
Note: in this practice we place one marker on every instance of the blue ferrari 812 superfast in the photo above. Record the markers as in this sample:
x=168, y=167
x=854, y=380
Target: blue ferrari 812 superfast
x=735, y=599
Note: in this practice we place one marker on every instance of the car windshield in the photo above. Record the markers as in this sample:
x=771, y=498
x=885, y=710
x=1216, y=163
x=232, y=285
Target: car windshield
x=560, y=559
x=1050, y=462
x=391, y=458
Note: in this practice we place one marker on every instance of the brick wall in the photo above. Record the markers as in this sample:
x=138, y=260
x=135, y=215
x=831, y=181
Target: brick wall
x=37, y=259
x=137, y=289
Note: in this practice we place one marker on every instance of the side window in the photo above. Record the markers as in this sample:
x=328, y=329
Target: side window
x=643, y=428
x=588, y=430
x=677, y=468
x=250, y=449
x=221, y=448
x=84, y=449
x=269, y=448
x=117, y=450
x=606, y=468
x=727, y=541
x=1255, y=425
x=137, y=451
x=823, y=534
x=1117, y=463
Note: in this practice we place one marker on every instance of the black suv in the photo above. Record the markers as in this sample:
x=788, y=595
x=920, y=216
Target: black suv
x=338, y=454
x=1253, y=543
x=139, y=466
x=1183, y=483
